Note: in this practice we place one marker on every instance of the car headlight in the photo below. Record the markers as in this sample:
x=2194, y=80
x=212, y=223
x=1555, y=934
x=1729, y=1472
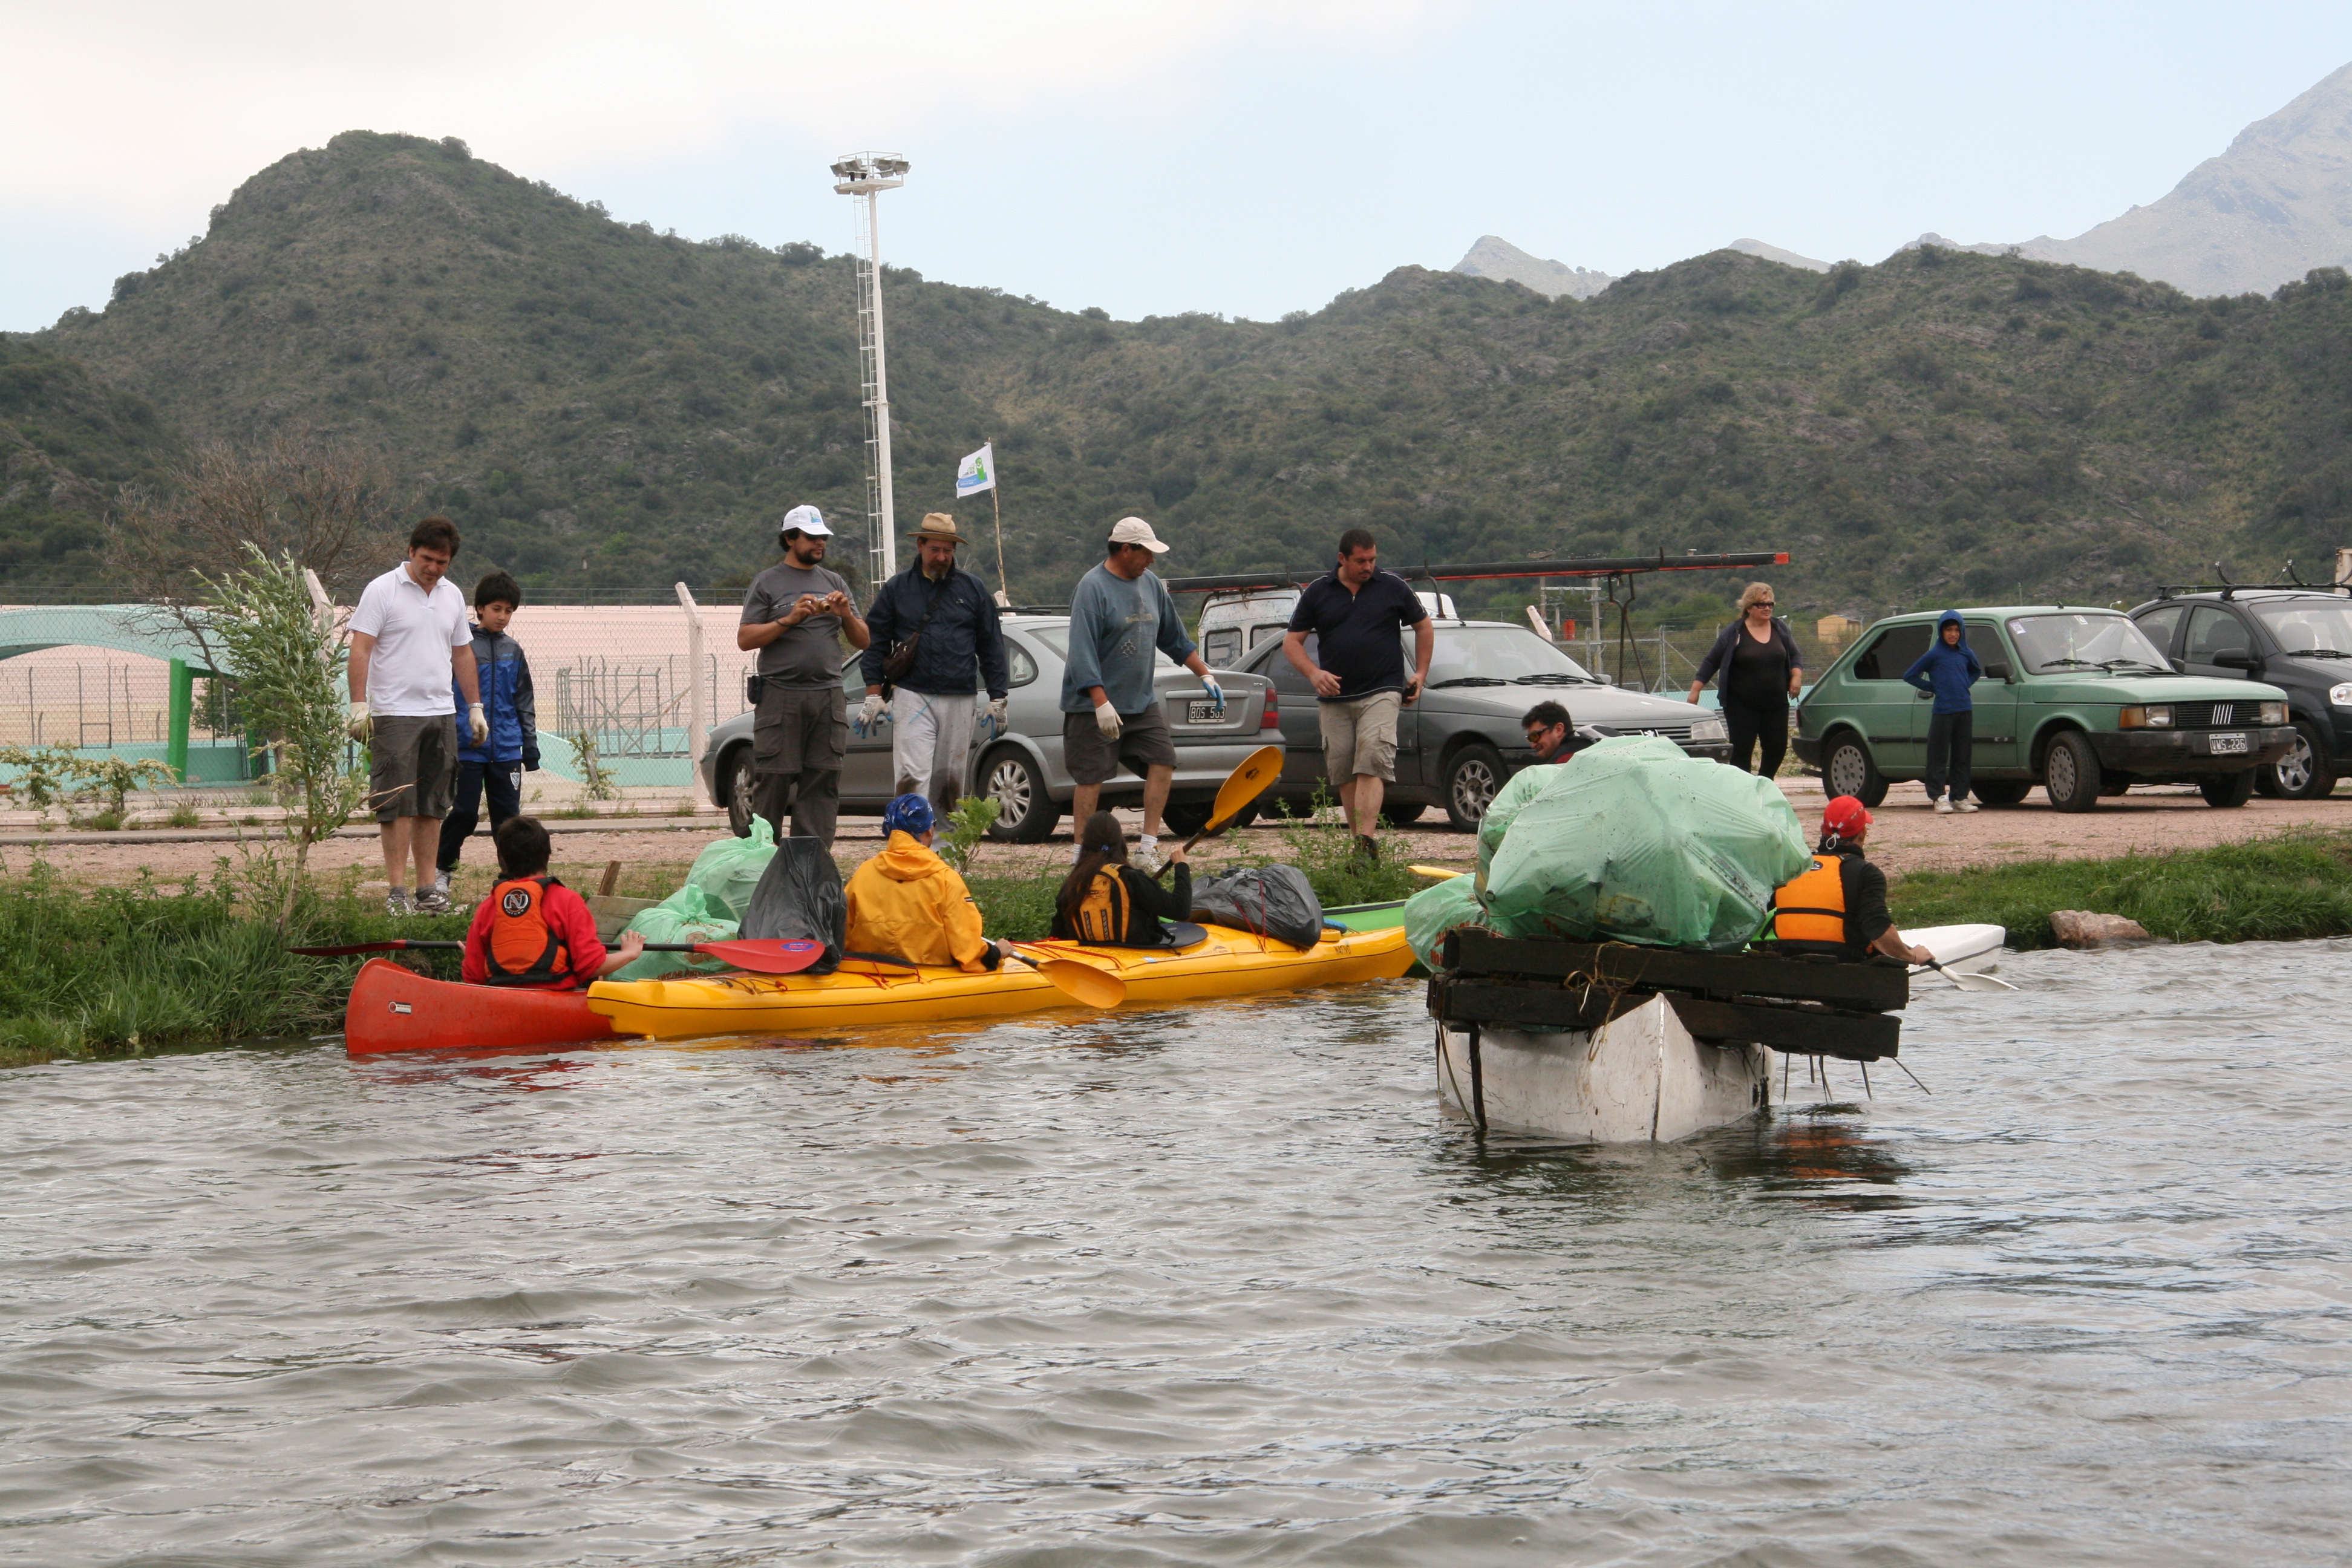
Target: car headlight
x=2273, y=713
x=2341, y=695
x=1709, y=731
x=2156, y=716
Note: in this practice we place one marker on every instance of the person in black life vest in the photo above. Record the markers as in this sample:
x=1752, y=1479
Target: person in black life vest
x=1104, y=900
x=1838, y=907
x=533, y=932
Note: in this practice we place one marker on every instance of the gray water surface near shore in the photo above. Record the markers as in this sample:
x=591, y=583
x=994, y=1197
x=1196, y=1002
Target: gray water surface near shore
x=1216, y=1285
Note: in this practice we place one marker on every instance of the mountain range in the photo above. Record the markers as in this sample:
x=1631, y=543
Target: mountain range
x=603, y=407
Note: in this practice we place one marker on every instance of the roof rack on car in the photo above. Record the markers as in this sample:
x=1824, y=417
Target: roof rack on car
x=2229, y=590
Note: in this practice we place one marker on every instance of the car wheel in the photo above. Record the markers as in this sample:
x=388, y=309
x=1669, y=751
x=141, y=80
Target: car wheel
x=2228, y=790
x=1471, y=780
x=2002, y=792
x=1028, y=812
x=741, y=780
x=2070, y=774
x=1401, y=815
x=1186, y=819
x=2305, y=772
x=1848, y=770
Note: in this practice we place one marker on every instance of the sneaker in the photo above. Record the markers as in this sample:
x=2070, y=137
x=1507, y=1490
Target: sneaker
x=1965, y=805
x=1943, y=807
x=395, y=903
x=1368, y=848
x=433, y=900
x=1147, y=854
x=441, y=883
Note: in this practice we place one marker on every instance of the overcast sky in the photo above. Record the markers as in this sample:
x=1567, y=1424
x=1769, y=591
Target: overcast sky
x=1241, y=156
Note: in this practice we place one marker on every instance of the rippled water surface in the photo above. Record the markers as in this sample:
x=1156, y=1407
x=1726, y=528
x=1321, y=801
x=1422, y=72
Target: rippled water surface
x=1222, y=1286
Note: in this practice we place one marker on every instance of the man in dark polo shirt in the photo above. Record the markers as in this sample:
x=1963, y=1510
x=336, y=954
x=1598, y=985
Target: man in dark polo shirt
x=1357, y=671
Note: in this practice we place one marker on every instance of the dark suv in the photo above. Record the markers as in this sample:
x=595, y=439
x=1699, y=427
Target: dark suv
x=2297, y=639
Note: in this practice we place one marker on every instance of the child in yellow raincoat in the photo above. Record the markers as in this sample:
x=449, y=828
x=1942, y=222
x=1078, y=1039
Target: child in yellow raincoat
x=907, y=904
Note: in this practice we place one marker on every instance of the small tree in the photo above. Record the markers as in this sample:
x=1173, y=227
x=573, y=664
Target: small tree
x=289, y=681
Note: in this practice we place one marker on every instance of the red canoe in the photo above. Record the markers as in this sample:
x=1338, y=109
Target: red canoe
x=396, y=1009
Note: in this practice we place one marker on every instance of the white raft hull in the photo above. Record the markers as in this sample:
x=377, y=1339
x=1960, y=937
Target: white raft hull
x=1639, y=1079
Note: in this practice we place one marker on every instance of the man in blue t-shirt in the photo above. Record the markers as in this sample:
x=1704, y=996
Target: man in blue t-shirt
x=1358, y=673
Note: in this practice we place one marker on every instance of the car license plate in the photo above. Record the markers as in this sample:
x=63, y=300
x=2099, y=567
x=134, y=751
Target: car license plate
x=2229, y=745
x=1206, y=713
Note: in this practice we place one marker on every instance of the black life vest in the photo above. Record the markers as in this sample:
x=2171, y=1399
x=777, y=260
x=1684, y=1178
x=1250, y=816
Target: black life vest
x=523, y=948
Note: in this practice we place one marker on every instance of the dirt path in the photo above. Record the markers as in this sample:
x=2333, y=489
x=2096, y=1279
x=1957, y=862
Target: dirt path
x=1907, y=836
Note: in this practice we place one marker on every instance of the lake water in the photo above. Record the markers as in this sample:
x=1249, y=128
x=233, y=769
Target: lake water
x=1222, y=1286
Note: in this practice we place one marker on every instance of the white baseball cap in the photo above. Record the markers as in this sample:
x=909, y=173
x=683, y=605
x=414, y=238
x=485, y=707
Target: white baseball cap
x=808, y=520
x=1135, y=530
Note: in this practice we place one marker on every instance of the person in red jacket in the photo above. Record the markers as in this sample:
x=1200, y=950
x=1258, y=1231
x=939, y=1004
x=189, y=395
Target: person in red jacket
x=532, y=931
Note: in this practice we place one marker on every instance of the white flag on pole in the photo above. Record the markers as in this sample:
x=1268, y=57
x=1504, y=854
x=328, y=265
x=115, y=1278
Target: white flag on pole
x=977, y=472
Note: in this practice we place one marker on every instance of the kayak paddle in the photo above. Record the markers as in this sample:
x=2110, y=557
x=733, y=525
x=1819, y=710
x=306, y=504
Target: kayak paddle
x=1973, y=982
x=1242, y=786
x=1075, y=978
x=750, y=954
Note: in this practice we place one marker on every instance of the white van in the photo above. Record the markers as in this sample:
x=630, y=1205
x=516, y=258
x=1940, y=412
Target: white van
x=1232, y=623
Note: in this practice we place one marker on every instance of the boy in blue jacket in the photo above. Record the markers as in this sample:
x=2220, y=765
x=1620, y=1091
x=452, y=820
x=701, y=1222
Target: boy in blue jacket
x=1945, y=672
x=499, y=764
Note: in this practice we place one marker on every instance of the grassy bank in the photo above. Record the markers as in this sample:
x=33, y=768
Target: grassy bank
x=2273, y=889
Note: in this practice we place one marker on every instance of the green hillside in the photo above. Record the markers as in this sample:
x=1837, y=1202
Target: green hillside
x=603, y=407
x=67, y=443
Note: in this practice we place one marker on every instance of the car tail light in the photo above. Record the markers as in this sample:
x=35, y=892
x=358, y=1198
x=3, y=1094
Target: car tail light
x=1272, y=720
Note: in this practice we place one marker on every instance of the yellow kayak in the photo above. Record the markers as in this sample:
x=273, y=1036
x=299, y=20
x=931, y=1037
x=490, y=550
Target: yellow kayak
x=1229, y=963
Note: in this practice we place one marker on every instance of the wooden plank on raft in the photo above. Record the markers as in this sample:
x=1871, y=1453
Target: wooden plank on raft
x=1799, y=1031
x=1873, y=988
x=611, y=875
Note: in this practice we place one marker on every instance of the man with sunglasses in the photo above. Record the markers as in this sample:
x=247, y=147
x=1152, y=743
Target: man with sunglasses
x=1551, y=733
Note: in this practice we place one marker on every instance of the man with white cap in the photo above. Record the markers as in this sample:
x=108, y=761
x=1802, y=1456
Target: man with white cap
x=797, y=613
x=1120, y=614
x=937, y=641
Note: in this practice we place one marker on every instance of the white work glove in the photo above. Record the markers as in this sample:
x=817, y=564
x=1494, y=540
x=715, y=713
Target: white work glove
x=360, y=725
x=479, y=723
x=869, y=713
x=1216, y=694
x=996, y=713
x=1107, y=720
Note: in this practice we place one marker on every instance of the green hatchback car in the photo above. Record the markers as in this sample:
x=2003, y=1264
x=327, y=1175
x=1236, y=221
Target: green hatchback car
x=2076, y=700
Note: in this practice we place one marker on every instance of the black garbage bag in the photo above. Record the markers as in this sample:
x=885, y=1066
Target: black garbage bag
x=1273, y=900
x=799, y=898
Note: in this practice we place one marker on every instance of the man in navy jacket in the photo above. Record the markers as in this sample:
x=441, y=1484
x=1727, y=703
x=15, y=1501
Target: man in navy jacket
x=959, y=648
x=1945, y=672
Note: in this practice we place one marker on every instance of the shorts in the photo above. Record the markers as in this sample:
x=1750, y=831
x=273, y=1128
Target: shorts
x=1359, y=736
x=1144, y=742
x=412, y=765
x=800, y=730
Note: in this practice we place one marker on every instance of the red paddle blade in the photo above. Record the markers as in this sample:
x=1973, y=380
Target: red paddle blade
x=770, y=955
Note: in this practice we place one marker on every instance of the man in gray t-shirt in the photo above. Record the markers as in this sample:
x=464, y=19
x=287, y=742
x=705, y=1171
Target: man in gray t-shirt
x=796, y=614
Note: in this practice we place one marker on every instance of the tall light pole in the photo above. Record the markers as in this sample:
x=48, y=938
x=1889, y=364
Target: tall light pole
x=869, y=174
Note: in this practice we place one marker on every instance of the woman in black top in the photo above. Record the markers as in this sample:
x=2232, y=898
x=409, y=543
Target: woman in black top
x=1126, y=910
x=1762, y=671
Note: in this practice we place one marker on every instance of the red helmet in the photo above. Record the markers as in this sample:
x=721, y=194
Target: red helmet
x=1844, y=816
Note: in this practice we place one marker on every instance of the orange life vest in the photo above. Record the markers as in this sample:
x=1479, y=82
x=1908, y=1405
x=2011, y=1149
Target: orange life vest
x=523, y=947
x=1102, y=914
x=1810, y=910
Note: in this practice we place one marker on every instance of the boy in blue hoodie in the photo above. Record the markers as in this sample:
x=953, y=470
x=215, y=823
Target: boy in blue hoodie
x=499, y=764
x=1945, y=672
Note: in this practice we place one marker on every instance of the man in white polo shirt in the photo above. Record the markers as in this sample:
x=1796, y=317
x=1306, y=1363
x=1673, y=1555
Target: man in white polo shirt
x=409, y=636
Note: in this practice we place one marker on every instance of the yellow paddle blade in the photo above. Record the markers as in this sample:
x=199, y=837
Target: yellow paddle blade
x=1082, y=982
x=1245, y=784
x=1435, y=873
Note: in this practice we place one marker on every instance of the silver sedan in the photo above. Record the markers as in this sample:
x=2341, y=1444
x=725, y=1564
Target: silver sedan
x=1023, y=767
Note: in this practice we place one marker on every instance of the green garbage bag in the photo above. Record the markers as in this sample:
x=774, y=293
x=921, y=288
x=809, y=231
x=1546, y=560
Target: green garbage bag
x=1436, y=909
x=728, y=870
x=1527, y=785
x=1638, y=841
x=686, y=915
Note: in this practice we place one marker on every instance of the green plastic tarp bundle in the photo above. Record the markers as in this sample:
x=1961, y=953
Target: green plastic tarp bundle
x=728, y=870
x=1436, y=909
x=686, y=915
x=1637, y=841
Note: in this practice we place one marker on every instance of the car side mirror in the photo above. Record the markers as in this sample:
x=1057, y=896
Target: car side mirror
x=2235, y=661
x=1997, y=669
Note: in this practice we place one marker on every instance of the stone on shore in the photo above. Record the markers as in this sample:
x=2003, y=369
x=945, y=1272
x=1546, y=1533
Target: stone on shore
x=2081, y=928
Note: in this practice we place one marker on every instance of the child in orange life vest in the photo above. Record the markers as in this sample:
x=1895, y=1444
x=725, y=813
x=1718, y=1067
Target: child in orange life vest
x=1104, y=900
x=532, y=931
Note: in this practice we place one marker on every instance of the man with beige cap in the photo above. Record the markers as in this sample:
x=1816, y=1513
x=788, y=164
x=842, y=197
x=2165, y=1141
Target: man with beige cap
x=1120, y=614
x=934, y=627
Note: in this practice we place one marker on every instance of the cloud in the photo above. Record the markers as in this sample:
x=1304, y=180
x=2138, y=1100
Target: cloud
x=128, y=113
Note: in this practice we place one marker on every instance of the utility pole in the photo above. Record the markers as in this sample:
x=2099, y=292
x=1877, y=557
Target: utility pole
x=868, y=175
